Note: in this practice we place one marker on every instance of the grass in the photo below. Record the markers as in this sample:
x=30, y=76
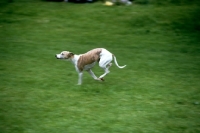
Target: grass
x=157, y=92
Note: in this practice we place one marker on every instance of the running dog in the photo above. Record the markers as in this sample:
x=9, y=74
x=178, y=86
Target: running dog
x=88, y=60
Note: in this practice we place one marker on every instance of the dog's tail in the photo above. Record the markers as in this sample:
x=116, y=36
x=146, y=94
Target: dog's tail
x=115, y=59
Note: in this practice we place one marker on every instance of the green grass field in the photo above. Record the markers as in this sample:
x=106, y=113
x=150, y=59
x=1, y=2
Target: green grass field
x=158, y=91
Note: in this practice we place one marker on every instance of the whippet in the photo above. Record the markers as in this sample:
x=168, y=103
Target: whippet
x=88, y=60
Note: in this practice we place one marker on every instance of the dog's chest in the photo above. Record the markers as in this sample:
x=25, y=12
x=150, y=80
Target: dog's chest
x=89, y=66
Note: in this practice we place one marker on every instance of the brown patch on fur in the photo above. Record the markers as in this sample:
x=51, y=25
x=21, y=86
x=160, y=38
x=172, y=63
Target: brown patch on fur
x=70, y=55
x=67, y=54
x=88, y=58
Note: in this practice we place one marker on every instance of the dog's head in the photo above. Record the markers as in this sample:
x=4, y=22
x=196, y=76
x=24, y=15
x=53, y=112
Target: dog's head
x=64, y=55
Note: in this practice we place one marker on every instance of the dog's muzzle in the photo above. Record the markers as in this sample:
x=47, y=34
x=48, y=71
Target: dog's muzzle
x=57, y=56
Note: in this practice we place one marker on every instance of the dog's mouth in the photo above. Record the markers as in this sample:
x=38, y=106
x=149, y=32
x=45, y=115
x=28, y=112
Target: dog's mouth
x=57, y=57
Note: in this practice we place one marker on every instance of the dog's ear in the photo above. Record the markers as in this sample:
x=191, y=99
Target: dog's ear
x=70, y=54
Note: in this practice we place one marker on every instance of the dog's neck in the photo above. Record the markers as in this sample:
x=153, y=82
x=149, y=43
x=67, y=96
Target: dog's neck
x=74, y=59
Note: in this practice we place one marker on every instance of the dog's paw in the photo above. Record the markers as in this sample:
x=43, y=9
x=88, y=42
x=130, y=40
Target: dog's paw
x=102, y=79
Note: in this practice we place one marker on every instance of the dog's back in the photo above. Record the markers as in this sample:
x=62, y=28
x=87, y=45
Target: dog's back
x=89, y=57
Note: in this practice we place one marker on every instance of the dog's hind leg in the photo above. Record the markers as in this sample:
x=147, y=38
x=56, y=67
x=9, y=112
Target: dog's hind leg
x=105, y=73
x=106, y=70
x=94, y=76
x=105, y=62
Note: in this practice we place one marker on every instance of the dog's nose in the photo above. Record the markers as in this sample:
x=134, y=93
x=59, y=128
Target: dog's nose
x=56, y=56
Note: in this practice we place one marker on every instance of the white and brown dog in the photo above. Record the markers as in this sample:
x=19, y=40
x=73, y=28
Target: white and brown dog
x=88, y=60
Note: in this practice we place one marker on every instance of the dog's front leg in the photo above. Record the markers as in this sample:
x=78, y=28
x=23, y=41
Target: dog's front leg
x=80, y=75
x=93, y=75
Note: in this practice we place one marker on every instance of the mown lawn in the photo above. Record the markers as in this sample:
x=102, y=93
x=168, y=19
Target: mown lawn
x=158, y=91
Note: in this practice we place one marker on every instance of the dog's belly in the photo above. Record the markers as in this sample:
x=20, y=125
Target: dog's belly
x=89, y=66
